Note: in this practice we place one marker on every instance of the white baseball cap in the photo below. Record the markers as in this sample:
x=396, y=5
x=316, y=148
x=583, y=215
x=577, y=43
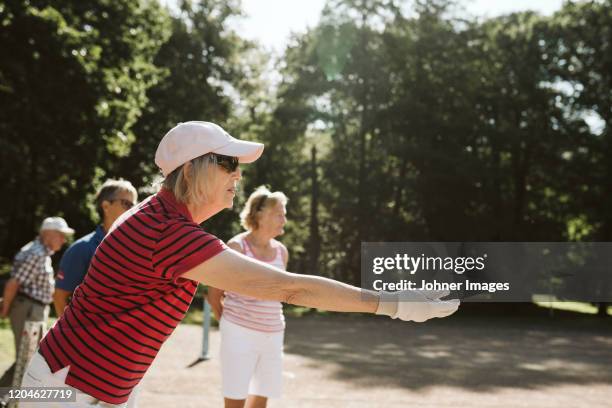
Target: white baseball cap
x=56, y=224
x=189, y=140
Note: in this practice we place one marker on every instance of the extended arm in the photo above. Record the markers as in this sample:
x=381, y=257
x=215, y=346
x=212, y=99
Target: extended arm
x=215, y=296
x=233, y=271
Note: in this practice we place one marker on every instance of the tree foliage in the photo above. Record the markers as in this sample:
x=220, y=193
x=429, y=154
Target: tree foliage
x=440, y=128
x=73, y=81
x=388, y=122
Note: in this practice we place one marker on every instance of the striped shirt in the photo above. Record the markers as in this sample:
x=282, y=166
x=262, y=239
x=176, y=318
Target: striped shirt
x=261, y=315
x=131, y=299
x=32, y=269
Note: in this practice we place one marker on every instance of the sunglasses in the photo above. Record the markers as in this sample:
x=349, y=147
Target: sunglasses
x=126, y=204
x=228, y=163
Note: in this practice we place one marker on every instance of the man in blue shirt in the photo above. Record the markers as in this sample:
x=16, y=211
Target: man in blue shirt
x=113, y=199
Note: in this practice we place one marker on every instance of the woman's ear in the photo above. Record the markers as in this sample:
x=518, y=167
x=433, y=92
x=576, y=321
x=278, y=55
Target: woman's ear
x=257, y=220
x=105, y=205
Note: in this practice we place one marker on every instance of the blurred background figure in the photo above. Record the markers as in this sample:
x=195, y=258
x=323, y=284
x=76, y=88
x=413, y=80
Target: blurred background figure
x=252, y=330
x=29, y=291
x=113, y=199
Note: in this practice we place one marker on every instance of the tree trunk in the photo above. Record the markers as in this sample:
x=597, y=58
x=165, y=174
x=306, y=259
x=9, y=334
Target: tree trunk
x=399, y=187
x=602, y=309
x=315, y=239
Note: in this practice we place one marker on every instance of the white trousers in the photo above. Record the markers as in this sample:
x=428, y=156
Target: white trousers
x=251, y=362
x=38, y=374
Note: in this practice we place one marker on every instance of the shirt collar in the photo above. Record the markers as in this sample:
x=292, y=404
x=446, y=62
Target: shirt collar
x=99, y=233
x=169, y=199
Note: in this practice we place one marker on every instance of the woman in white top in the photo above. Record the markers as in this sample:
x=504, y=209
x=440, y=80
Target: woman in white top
x=252, y=330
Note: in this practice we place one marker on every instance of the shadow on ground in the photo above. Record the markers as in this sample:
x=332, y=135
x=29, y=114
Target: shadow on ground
x=504, y=346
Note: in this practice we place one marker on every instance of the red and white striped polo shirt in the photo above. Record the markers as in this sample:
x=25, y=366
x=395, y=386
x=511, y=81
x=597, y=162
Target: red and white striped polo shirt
x=131, y=300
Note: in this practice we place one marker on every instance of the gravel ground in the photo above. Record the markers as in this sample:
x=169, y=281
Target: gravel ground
x=355, y=361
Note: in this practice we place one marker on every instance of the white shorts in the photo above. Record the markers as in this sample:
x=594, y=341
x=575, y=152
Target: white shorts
x=38, y=374
x=251, y=362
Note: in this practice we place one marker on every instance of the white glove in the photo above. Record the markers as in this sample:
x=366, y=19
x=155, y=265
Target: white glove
x=416, y=305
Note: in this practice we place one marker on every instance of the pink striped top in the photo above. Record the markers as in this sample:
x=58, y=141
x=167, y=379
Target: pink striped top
x=261, y=315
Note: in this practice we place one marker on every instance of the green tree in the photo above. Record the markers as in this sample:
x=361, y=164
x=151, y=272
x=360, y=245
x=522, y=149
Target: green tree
x=430, y=127
x=196, y=62
x=73, y=78
x=581, y=57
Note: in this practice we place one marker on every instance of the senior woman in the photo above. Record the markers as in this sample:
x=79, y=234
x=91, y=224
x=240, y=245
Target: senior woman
x=252, y=330
x=145, y=272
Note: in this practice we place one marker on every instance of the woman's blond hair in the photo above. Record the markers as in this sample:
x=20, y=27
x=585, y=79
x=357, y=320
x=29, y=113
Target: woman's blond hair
x=195, y=187
x=259, y=200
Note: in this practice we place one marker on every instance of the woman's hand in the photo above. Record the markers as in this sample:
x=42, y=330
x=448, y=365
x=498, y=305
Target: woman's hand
x=215, y=299
x=416, y=305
